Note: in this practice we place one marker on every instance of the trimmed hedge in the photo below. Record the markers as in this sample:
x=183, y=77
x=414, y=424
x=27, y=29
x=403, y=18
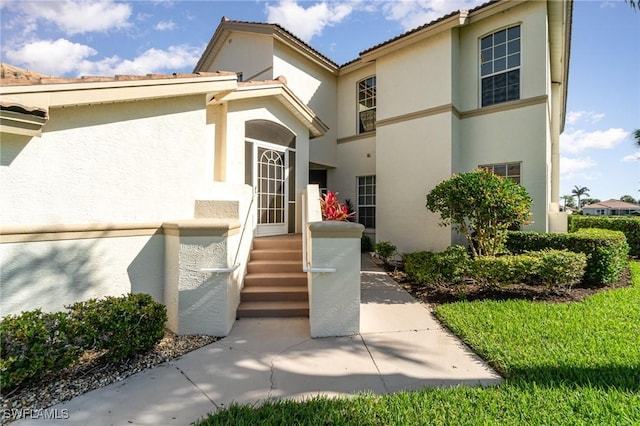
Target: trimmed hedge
x=122, y=325
x=553, y=268
x=629, y=225
x=607, y=251
x=452, y=265
x=35, y=343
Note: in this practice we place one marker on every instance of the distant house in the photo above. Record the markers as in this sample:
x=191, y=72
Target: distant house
x=611, y=208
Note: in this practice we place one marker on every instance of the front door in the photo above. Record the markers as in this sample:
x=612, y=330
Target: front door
x=271, y=182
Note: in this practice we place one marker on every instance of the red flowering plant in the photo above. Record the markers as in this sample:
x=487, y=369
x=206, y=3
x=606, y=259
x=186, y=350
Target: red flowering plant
x=332, y=209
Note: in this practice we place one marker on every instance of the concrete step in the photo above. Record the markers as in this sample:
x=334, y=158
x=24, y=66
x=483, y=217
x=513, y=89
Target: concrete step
x=273, y=309
x=266, y=266
x=280, y=254
x=276, y=279
x=280, y=242
x=283, y=293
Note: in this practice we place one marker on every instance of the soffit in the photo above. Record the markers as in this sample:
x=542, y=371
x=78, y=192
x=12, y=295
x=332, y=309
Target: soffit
x=279, y=91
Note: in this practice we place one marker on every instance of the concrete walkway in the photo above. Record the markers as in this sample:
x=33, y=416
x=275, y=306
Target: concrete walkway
x=401, y=346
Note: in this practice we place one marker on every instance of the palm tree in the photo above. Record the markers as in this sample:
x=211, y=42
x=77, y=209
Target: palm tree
x=567, y=200
x=579, y=192
x=636, y=136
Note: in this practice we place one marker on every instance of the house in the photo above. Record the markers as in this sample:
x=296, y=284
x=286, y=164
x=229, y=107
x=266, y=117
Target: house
x=161, y=183
x=611, y=208
x=485, y=87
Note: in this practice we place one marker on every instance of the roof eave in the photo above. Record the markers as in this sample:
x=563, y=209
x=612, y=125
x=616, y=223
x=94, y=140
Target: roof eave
x=285, y=96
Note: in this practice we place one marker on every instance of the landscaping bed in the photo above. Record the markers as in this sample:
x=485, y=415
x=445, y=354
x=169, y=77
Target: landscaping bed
x=92, y=372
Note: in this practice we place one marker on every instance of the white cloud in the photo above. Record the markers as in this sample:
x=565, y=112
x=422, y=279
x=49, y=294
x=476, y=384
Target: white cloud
x=309, y=22
x=569, y=167
x=632, y=157
x=149, y=62
x=166, y=26
x=63, y=57
x=414, y=13
x=579, y=140
x=55, y=58
x=590, y=117
x=76, y=16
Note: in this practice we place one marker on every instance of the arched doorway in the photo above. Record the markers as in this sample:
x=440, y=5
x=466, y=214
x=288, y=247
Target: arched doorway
x=270, y=168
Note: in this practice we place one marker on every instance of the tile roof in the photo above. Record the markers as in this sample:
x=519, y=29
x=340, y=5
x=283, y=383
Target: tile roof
x=422, y=27
x=612, y=204
x=13, y=76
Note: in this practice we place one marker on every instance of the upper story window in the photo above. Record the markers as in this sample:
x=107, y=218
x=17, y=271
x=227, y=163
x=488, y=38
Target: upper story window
x=500, y=66
x=506, y=170
x=367, y=104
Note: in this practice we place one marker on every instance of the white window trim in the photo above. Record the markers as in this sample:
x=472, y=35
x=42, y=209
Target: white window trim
x=479, y=58
x=358, y=205
x=506, y=164
x=358, y=132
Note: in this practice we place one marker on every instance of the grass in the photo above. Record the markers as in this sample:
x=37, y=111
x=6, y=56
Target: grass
x=565, y=364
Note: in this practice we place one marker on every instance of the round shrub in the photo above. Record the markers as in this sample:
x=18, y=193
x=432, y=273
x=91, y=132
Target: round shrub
x=122, y=325
x=34, y=343
x=449, y=266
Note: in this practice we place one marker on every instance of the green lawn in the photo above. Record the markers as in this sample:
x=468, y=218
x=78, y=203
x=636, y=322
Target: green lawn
x=565, y=364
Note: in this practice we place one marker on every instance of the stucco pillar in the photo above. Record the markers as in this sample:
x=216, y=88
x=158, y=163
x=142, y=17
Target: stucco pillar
x=334, y=297
x=200, y=302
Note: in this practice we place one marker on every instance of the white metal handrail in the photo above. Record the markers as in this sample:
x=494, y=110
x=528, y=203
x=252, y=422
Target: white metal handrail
x=221, y=270
x=306, y=262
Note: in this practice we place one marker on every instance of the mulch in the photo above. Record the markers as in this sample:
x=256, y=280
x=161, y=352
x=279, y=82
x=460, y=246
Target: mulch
x=437, y=294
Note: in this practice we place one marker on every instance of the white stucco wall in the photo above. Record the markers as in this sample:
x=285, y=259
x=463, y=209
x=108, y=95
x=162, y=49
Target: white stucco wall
x=124, y=162
x=52, y=274
x=264, y=109
x=248, y=53
x=355, y=158
x=516, y=135
x=347, y=100
x=317, y=88
x=412, y=157
x=532, y=19
x=415, y=78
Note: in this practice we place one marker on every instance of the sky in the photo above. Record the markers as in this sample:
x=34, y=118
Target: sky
x=70, y=38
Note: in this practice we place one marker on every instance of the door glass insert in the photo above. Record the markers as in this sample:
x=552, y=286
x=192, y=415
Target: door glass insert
x=271, y=186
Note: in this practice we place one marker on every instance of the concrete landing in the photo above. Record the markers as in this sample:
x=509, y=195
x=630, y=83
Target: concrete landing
x=401, y=346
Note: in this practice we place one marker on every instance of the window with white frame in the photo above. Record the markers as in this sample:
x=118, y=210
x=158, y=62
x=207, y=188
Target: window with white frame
x=500, y=66
x=367, y=104
x=367, y=201
x=506, y=170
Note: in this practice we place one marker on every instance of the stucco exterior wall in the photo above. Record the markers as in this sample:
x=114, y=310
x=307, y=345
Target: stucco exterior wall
x=412, y=157
x=355, y=158
x=125, y=162
x=347, y=100
x=532, y=18
x=248, y=53
x=264, y=109
x=415, y=78
x=516, y=135
x=52, y=274
x=317, y=88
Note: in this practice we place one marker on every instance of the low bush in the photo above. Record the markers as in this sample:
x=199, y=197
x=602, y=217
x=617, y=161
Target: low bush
x=33, y=343
x=629, y=225
x=385, y=250
x=559, y=268
x=553, y=268
x=122, y=325
x=606, y=251
x=505, y=270
x=365, y=244
x=449, y=266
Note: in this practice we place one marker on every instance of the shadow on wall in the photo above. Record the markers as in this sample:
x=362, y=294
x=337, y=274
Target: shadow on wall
x=47, y=276
x=146, y=271
x=11, y=146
